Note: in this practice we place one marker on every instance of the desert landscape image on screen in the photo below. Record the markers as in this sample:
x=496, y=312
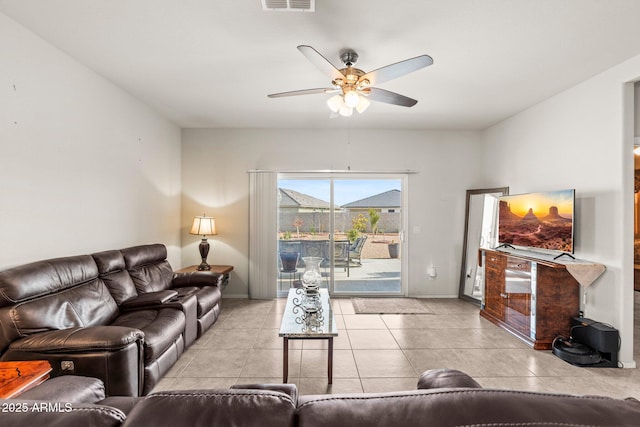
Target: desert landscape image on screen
x=540, y=220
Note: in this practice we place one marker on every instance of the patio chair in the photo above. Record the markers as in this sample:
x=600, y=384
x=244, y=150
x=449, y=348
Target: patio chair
x=355, y=250
x=341, y=255
x=289, y=265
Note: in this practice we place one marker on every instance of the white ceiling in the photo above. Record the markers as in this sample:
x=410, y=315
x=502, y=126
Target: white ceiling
x=212, y=63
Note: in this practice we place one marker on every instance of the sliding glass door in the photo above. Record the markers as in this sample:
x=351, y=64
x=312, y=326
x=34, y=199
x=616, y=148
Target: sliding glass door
x=354, y=223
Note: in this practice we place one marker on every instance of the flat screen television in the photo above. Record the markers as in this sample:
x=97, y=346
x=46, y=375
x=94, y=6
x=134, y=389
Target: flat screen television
x=537, y=220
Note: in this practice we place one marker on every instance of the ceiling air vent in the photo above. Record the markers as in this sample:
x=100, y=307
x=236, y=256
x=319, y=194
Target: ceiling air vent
x=289, y=5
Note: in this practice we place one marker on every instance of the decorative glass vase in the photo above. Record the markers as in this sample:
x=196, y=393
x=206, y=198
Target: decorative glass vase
x=311, y=278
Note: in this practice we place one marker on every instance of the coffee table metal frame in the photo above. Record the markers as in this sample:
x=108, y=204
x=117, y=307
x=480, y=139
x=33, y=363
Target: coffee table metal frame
x=294, y=327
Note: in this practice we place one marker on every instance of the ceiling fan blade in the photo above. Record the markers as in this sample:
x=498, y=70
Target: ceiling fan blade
x=320, y=62
x=303, y=92
x=396, y=70
x=381, y=95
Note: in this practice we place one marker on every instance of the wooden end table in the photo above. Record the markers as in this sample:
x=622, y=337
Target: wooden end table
x=18, y=377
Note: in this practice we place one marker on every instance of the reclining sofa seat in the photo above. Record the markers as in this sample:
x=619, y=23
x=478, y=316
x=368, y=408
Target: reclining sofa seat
x=151, y=272
x=60, y=310
x=112, y=271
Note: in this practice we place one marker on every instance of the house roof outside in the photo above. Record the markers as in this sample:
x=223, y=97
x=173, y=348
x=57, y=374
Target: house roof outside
x=295, y=199
x=388, y=199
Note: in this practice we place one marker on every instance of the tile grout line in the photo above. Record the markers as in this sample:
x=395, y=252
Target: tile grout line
x=400, y=347
x=353, y=355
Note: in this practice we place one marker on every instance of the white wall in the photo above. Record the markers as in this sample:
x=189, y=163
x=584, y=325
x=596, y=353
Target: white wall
x=215, y=181
x=582, y=138
x=83, y=165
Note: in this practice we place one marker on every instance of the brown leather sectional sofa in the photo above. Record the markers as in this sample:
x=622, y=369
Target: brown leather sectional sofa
x=123, y=317
x=444, y=398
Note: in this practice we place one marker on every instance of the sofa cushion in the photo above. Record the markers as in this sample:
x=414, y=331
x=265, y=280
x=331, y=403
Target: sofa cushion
x=51, y=295
x=148, y=267
x=152, y=277
x=113, y=272
x=464, y=407
x=208, y=297
x=136, y=256
x=160, y=327
x=42, y=278
x=196, y=408
x=89, y=304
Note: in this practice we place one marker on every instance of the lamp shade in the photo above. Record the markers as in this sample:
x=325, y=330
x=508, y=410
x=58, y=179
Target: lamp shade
x=203, y=226
x=334, y=103
x=351, y=98
x=363, y=104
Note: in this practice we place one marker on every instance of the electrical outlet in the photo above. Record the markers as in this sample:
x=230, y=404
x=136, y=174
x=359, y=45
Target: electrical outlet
x=432, y=273
x=67, y=365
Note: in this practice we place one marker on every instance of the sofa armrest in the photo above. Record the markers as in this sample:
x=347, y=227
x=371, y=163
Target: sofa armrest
x=74, y=340
x=288, y=389
x=113, y=354
x=446, y=378
x=58, y=414
x=196, y=278
x=150, y=299
x=67, y=388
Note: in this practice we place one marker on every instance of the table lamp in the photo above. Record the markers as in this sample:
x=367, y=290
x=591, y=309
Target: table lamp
x=204, y=226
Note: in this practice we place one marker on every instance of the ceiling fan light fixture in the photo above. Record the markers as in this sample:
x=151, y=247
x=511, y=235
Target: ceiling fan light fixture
x=335, y=102
x=363, y=104
x=345, y=110
x=351, y=98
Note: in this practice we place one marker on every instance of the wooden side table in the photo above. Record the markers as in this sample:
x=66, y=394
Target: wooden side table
x=18, y=377
x=220, y=269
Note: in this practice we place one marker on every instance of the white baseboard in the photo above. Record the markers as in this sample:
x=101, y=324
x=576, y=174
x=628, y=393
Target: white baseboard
x=629, y=365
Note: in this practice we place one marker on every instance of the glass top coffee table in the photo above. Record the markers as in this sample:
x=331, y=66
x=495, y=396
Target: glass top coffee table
x=307, y=319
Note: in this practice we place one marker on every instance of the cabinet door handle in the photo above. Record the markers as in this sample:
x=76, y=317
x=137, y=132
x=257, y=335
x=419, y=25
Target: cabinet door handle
x=503, y=295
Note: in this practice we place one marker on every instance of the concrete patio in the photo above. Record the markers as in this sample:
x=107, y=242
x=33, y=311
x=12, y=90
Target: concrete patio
x=375, y=276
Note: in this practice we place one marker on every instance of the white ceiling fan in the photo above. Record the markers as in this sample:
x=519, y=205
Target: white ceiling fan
x=355, y=87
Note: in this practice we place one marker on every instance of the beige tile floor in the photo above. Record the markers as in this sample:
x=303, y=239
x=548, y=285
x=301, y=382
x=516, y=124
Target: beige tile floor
x=383, y=353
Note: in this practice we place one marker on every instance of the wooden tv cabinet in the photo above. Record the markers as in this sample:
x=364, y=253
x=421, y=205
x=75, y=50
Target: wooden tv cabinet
x=531, y=298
